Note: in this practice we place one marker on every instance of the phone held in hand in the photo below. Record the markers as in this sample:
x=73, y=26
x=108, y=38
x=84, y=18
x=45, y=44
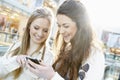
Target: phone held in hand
x=33, y=60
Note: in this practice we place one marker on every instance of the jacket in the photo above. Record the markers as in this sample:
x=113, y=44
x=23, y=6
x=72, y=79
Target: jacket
x=9, y=64
x=95, y=66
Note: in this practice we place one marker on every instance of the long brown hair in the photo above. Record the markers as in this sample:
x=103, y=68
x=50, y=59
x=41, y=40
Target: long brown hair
x=39, y=13
x=69, y=62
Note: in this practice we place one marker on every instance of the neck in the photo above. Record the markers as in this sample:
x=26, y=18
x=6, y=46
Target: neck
x=32, y=47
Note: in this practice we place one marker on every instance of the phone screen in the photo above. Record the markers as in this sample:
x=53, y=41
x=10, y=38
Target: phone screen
x=33, y=60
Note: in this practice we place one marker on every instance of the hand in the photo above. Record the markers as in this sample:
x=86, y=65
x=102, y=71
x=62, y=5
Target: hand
x=21, y=59
x=42, y=70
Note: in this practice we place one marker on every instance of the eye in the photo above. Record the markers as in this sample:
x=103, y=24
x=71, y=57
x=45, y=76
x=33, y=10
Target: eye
x=58, y=25
x=36, y=27
x=45, y=30
x=66, y=26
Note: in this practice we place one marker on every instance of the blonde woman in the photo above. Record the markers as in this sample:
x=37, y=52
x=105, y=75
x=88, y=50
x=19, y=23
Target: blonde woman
x=12, y=64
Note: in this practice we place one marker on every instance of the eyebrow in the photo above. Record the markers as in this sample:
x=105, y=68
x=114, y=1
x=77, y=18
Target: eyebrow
x=63, y=24
x=36, y=25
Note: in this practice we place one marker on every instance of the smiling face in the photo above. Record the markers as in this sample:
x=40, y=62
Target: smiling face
x=67, y=27
x=39, y=30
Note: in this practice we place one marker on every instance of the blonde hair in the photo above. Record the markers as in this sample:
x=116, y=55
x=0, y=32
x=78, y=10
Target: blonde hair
x=42, y=12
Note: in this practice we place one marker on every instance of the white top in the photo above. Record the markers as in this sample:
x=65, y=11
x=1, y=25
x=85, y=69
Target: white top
x=9, y=64
x=96, y=63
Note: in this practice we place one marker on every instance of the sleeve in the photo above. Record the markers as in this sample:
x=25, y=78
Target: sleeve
x=95, y=66
x=57, y=77
x=8, y=65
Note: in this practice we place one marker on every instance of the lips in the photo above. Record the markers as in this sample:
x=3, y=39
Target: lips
x=67, y=38
x=38, y=37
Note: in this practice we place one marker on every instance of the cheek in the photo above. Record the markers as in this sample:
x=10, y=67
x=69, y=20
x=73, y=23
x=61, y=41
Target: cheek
x=73, y=32
x=31, y=31
x=45, y=35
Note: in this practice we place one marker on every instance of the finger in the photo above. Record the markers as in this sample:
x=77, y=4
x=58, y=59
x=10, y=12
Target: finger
x=19, y=61
x=30, y=67
x=42, y=64
x=33, y=64
x=23, y=62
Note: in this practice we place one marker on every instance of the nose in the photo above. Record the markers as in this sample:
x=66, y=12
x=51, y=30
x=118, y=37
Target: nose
x=61, y=30
x=40, y=33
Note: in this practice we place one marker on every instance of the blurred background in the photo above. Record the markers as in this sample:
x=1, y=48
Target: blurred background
x=104, y=16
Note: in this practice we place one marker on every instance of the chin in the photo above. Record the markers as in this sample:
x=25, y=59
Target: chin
x=38, y=42
x=67, y=41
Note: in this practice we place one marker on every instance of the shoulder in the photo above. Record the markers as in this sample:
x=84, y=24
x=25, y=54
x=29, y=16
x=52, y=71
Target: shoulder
x=14, y=46
x=96, y=52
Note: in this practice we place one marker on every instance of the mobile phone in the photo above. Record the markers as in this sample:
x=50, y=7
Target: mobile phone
x=33, y=60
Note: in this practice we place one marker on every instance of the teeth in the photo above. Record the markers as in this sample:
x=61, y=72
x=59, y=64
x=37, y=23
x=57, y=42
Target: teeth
x=65, y=36
x=37, y=37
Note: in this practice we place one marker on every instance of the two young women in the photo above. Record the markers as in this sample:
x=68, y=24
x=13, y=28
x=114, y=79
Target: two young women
x=79, y=55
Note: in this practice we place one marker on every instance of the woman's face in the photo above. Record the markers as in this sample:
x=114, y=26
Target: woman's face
x=67, y=27
x=39, y=30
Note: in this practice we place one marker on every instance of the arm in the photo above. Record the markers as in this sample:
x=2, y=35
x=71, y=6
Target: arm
x=7, y=65
x=96, y=63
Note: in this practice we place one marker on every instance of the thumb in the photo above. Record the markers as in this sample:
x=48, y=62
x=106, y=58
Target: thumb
x=42, y=64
